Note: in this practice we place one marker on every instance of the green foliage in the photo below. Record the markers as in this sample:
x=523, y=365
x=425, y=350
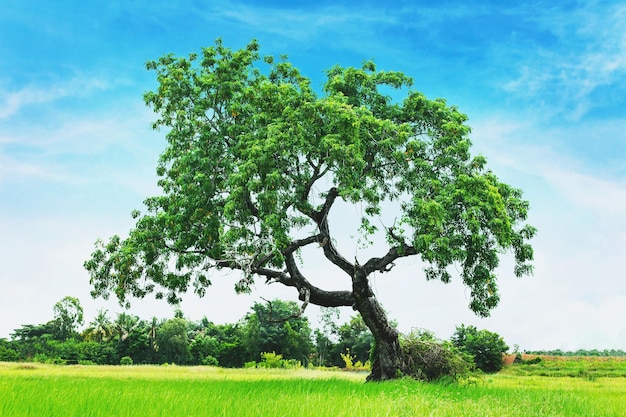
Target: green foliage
x=210, y=361
x=254, y=154
x=271, y=360
x=579, y=352
x=173, y=341
x=487, y=348
x=355, y=337
x=351, y=365
x=429, y=359
x=126, y=360
x=278, y=326
x=100, y=329
x=7, y=353
x=68, y=314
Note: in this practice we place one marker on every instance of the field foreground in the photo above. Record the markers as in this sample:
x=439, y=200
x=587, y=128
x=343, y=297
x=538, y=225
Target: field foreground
x=44, y=390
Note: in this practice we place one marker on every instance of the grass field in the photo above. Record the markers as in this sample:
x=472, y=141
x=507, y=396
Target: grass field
x=46, y=390
x=589, y=367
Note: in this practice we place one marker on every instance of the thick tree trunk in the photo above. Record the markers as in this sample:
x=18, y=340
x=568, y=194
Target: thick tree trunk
x=387, y=356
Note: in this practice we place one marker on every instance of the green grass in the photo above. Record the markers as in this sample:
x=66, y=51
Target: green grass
x=45, y=390
x=575, y=366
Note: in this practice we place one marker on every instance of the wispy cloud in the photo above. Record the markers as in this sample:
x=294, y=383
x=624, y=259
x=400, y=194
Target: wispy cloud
x=11, y=102
x=589, y=53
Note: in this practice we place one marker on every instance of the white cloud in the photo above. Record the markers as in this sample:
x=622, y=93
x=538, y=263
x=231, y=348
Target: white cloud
x=589, y=52
x=11, y=102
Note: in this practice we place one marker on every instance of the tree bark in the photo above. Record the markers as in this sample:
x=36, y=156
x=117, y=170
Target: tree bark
x=387, y=362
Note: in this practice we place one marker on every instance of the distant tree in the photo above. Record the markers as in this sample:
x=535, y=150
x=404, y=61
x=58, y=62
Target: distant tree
x=356, y=338
x=173, y=341
x=484, y=346
x=68, y=314
x=278, y=327
x=31, y=340
x=100, y=329
x=326, y=338
x=123, y=325
x=137, y=344
x=7, y=352
x=257, y=163
x=232, y=349
x=153, y=327
x=204, y=350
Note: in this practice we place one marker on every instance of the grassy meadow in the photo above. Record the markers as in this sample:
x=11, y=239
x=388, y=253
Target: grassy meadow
x=28, y=389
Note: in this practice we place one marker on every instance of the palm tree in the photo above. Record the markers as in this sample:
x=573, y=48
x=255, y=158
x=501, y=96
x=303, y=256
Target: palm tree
x=152, y=333
x=100, y=329
x=124, y=325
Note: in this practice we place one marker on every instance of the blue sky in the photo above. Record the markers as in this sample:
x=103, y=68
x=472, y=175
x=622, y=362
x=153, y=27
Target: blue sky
x=543, y=84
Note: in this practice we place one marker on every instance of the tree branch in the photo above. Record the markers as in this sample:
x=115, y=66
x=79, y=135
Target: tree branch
x=307, y=291
x=385, y=263
x=321, y=218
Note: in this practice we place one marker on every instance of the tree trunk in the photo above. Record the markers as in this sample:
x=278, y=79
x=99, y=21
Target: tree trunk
x=387, y=360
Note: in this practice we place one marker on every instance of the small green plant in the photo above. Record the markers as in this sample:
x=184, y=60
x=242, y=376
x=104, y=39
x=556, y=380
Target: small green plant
x=249, y=365
x=348, y=359
x=126, y=361
x=272, y=360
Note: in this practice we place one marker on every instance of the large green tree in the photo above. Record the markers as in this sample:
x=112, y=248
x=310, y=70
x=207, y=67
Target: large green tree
x=257, y=162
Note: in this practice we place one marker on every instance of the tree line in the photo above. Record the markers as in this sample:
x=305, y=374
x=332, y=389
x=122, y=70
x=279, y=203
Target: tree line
x=579, y=352
x=272, y=333
x=272, y=327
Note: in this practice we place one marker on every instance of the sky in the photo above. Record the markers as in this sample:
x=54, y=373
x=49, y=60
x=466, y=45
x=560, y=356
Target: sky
x=543, y=84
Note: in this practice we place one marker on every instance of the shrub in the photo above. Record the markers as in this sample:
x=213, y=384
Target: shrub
x=126, y=360
x=426, y=358
x=8, y=354
x=272, y=360
x=484, y=346
x=348, y=360
x=210, y=361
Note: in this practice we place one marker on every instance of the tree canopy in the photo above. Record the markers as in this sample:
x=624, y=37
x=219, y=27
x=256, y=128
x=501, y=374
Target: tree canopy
x=257, y=159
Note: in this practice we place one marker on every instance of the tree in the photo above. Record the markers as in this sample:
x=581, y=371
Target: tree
x=173, y=341
x=68, y=314
x=484, y=346
x=257, y=162
x=326, y=337
x=355, y=338
x=278, y=327
x=124, y=325
x=100, y=329
x=7, y=352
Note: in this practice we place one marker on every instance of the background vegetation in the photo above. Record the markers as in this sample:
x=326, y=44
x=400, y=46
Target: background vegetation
x=274, y=335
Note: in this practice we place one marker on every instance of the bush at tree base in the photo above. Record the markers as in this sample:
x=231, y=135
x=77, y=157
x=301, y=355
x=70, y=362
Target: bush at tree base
x=428, y=359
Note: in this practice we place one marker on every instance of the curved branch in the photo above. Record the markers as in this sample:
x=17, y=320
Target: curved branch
x=385, y=263
x=321, y=218
x=309, y=293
